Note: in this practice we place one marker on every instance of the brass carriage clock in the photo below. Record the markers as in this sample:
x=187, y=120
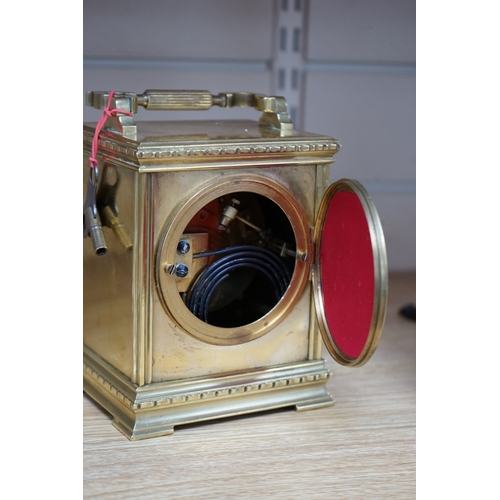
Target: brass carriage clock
x=217, y=258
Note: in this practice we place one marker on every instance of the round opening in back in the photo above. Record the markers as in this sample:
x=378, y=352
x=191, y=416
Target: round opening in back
x=239, y=254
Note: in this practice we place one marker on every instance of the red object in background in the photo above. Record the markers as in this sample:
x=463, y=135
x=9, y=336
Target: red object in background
x=347, y=273
x=207, y=221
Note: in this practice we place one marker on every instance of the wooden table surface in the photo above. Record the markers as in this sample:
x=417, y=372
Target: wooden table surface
x=362, y=447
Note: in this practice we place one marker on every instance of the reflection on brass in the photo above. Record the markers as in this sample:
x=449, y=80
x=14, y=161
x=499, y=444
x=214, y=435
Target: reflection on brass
x=111, y=220
x=106, y=204
x=228, y=212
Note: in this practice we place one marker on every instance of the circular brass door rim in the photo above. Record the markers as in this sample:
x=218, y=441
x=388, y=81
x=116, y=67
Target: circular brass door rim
x=167, y=247
x=379, y=266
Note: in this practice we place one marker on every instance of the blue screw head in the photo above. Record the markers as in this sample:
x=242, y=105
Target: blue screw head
x=181, y=270
x=183, y=247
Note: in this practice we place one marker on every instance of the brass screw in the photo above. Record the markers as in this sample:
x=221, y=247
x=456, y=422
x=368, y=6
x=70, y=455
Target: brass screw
x=302, y=256
x=170, y=268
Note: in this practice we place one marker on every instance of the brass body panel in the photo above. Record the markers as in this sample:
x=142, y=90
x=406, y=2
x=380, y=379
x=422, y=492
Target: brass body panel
x=109, y=288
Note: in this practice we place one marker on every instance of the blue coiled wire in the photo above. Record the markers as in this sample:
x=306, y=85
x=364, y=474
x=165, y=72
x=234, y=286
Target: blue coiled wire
x=242, y=256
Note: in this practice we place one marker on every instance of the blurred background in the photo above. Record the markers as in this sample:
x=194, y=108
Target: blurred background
x=346, y=67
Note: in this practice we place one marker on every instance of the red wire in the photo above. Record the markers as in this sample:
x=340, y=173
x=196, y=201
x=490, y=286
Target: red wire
x=106, y=113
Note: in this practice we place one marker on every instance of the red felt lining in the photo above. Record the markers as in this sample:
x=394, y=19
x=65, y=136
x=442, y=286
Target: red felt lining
x=347, y=273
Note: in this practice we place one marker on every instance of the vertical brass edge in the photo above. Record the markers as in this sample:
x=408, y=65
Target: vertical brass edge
x=136, y=274
x=322, y=182
x=148, y=347
x=142, y=280
x=314, y=351
x=315, y=339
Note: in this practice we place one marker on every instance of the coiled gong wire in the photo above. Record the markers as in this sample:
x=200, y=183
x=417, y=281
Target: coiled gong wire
x=241, y=256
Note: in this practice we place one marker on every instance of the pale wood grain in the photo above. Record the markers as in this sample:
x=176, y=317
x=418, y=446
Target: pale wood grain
x=363, y=447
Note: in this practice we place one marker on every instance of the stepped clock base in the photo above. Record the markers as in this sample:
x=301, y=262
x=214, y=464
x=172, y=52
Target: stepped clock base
x=155, y=409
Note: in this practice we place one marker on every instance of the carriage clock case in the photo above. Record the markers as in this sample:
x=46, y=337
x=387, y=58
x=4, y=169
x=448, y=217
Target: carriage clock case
x=223, y=260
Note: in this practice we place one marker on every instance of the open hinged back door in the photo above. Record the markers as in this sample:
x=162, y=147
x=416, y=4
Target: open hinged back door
x=349, y=273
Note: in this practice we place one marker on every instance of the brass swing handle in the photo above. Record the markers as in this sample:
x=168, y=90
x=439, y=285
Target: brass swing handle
x=273, y=108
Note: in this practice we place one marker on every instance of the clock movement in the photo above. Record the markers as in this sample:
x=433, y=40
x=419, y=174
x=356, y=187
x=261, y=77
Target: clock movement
x=217, y=260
